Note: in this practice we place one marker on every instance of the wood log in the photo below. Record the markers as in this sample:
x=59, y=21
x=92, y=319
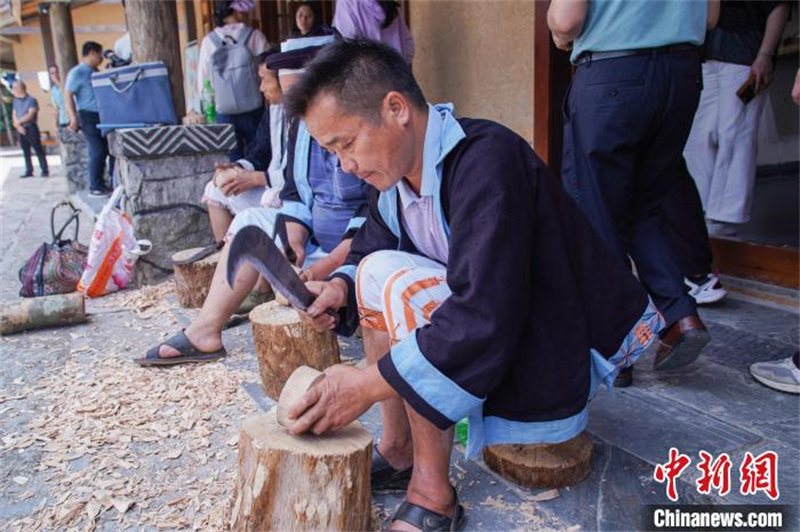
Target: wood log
x=542, y=465
x=39, y=312
x=193, y=281
x=284, y=343
x=300, y=381
x=289, y=483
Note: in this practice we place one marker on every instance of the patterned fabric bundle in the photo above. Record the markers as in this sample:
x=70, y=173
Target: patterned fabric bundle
x=56, y=267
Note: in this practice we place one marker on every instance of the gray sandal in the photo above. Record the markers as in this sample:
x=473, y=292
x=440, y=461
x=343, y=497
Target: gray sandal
x=188, y=353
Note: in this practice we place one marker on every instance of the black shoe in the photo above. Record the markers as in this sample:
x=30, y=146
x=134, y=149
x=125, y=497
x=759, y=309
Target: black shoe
x=45, y=174
x=625, y=378
x=384, y=476
x=26, y=174
x=100, y=193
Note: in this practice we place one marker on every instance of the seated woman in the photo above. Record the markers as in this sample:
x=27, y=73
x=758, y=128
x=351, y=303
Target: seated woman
x=257, y=178
x=323, y=207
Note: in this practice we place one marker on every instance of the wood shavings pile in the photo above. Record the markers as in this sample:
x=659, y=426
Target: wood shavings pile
x=142, y=448
x=146, y=302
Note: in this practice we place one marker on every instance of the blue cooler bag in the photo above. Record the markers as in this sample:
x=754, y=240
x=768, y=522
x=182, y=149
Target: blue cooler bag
x=135, y=95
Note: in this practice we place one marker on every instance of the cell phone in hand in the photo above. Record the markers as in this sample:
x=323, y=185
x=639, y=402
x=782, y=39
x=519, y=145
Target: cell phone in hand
x=748, y=89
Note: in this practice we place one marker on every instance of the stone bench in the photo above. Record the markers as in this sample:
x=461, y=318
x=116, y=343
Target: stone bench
x=164, y=171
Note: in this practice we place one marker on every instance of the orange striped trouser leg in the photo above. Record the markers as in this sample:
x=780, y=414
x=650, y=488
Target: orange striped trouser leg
x=377, y=279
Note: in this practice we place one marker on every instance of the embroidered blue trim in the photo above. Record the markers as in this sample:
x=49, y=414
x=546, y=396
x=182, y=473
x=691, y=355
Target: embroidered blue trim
x=302, y=148
x=297, y=210
x=355, y=222
x=348, y=270
x=441, y=393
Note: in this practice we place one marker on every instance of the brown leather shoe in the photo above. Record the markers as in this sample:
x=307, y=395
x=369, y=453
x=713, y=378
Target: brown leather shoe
x=682, y=343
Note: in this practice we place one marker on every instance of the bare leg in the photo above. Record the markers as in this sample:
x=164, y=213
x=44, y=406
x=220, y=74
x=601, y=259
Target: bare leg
x=430, y=483
x=220, y=221
x=205, y=332
x=395, y=444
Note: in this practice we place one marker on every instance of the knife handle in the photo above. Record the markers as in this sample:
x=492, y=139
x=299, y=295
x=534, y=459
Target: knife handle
x=334, y=314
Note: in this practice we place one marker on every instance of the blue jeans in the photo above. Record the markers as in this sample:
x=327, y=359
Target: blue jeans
x=245, y=125
x=98, y=149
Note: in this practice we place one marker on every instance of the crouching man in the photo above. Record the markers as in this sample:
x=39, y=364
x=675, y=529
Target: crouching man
x=490, y=293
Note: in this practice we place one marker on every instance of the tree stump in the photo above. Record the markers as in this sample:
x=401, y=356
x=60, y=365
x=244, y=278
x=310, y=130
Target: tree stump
x=40, y=312
x=284, y=343
x=289, y=483
x=192, y=281
x=542, y=465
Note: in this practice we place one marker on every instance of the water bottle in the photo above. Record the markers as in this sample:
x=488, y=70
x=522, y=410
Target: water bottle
x=207, y=101
x=462, y=431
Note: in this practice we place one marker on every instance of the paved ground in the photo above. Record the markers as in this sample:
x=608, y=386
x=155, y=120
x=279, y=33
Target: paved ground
x=91, y=441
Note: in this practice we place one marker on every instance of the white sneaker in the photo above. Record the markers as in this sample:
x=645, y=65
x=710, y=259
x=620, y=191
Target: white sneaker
x=716, y=228
x=706, y=290
x=780, y=375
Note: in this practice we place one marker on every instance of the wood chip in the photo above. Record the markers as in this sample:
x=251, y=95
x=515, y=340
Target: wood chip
x=548, y=495
x=20, y=480
x=121, y=505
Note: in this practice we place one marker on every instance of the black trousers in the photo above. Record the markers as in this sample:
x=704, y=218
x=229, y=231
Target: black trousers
x=32, y=139
x=97, y=146
x=626, y=121
x=685, y=224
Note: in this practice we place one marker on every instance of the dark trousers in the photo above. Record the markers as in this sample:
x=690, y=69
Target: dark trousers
x=245, y=125
x=98, y=149
x=626, y=121
x=32, y=139
x=685, y=224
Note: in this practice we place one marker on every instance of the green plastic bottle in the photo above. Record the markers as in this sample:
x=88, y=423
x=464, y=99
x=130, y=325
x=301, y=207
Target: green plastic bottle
x=462, y=431
x=207, y=101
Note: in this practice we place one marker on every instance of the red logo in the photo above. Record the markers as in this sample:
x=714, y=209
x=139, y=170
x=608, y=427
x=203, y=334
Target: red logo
x=760, y=474
x=670, y=471
x=716, y=473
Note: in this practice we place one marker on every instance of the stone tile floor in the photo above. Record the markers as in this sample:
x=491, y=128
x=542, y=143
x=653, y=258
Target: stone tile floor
x=714, y=405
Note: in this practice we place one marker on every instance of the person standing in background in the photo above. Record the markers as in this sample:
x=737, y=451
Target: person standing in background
x=24, y=113
x=627, y=115
x=230, y=29
x=375, y=20
x=57, y=97
x=83, y=112
x=723, y=145
x=305, y=20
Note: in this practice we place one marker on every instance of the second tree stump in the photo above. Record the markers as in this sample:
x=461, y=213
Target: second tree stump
x=289, y=483
x=549, y=465
x=193, y=280
x=284, y=343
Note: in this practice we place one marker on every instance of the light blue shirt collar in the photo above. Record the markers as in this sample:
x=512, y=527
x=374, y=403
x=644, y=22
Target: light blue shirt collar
x=442, y=134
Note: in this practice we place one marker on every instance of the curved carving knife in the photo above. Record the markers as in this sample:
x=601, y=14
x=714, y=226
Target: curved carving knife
x=251, y=244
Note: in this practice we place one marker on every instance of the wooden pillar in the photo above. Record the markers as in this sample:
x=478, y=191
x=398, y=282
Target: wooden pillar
x=154, y=37
x=551, y=75
x=47, y=34
x=190, y=20
x=63, y=37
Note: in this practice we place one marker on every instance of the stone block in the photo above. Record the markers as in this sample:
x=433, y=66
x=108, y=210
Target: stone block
x=149, y=142
x=170, y=229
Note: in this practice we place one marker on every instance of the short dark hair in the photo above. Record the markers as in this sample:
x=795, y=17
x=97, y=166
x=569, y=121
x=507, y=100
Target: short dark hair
x=262, y=57
x=359, y=74
x=91, y=46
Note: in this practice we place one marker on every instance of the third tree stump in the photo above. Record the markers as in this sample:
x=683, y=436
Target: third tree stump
x=284, y=343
